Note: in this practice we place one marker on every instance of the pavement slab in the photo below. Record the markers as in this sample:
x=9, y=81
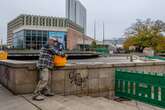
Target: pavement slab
x=8, y=101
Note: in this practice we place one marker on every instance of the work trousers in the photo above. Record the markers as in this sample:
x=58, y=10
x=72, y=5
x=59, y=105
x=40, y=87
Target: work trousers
x=44, y=81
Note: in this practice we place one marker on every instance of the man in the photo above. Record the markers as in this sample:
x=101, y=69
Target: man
x=45, y=65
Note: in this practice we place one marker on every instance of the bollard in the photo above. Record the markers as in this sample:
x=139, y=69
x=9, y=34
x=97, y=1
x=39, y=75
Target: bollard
x=131, y=58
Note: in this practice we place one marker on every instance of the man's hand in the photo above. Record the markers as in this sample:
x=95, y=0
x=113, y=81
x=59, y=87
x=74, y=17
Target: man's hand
x=62, y=54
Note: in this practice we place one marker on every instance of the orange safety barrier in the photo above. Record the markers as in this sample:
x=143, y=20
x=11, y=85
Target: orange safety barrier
x=60, y=61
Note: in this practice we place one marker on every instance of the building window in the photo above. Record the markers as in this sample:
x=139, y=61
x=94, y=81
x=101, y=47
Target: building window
x=30, y=20
x=44, y=22
x=41, y=21
x=60, y=22
x=27, y=20
x=55, y=22
x=37, y=20
x=18, y=40
x=34, y=20
x=47, y=22
x=35, y=39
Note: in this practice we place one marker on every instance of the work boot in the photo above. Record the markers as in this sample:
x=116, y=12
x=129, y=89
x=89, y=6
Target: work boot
x=39, y=97
x=47, y=92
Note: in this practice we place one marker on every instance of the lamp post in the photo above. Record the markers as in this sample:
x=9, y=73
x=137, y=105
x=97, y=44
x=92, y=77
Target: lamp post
x=103, y=33
x=95, y=30
x=1, y=43
x=83, y=41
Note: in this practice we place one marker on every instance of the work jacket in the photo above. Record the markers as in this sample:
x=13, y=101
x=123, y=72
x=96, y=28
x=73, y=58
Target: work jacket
x=46, y=56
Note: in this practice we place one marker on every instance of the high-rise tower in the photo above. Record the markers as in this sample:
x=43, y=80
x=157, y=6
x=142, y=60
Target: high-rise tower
x=76, y=12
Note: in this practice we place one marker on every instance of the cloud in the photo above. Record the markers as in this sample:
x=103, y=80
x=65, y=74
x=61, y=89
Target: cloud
x=116, y=14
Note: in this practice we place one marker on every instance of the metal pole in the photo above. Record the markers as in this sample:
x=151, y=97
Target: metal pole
x=95, y=30
x=83, y=42
x=1, y=41
x=103, y=33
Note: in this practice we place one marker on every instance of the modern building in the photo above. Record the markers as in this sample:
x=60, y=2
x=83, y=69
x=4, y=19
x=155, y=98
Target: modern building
x=32, y=32
x=76, y=12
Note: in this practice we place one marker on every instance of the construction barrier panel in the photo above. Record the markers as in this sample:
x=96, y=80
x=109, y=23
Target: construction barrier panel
x=103, y=51
x=141, y=86
x=155, y=57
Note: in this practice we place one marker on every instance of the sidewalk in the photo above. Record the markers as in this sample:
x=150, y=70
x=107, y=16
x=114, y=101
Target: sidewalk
x=9, y=101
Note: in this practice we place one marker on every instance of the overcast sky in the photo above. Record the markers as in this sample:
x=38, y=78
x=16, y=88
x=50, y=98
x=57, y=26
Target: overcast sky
x=117, y=15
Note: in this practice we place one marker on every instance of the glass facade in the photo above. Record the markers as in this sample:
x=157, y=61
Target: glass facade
x=18, y=41
x=35, y=39
x=61, y=36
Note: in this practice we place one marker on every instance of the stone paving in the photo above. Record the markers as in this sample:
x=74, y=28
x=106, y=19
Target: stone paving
x=9, y=101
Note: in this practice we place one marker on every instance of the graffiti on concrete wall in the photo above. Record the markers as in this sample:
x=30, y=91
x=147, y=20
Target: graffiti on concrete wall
x=4, y=75
x=77, y=78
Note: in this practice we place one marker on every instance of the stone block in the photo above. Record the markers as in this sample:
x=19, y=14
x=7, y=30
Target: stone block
x=131, y=68
x=79, y=93
x=158, y=69
x=111, y=94
x=1, y=72
x=119, y=65
x=76, y=79
x=94, y=73
x=58, y=86
x=104, y=73
x=84, y=91
x=24, y=76
x=69, y=84
x=104, y=94
x=112, y=84
x=11, y=75
x=139, y=68
x=94, y=84
x=11, y=82
x=147, y=69
x=4, y=75
x=94, y=93
x=58, y=74
x=24, y=88
x=68, y=92
x=104, y=84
